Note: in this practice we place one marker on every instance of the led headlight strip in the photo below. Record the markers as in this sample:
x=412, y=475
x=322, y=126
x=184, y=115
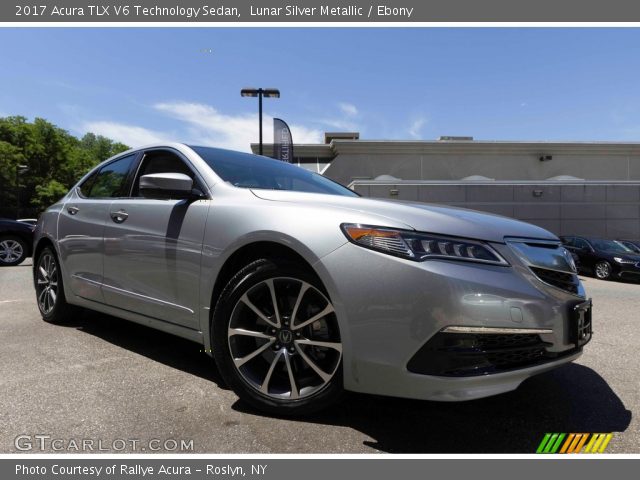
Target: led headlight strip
x=421, y=246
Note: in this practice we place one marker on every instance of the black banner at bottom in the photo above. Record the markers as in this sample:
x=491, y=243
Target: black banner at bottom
x=383, y=468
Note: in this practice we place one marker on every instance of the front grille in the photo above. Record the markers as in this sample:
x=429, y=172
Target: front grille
x=469, y=354
x=565, y=281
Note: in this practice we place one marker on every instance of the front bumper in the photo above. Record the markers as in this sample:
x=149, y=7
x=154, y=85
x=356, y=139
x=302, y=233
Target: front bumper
x=627, y=271
x=390, y=308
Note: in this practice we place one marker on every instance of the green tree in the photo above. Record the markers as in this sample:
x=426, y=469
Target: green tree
x=55, y=159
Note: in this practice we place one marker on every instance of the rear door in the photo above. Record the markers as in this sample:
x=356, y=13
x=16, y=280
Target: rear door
x=81, y=226
x=153, y=247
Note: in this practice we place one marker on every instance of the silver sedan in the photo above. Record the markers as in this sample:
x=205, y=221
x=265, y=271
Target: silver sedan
x=300, y=289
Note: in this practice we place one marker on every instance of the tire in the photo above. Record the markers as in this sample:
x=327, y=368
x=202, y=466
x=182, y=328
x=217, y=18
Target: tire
x=285, y=361
x=13, y=250
x=50, y=296
x=602, y=270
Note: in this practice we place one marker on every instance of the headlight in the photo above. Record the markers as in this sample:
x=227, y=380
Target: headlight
x=624, y=260
x=420, y=246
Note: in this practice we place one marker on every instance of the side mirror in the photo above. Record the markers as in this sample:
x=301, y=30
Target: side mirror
x=166, y=185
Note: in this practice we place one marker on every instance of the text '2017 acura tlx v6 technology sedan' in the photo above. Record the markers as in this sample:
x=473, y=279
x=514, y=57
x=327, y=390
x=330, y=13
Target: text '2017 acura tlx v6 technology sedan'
x=301, y=289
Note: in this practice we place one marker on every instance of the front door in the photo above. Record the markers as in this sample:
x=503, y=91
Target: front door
x=153, y=248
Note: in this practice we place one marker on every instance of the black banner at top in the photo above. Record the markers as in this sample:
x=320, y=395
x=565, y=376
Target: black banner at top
x=329, y=11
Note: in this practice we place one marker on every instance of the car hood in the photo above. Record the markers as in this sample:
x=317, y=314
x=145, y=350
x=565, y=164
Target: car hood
x=422, y=217
x=629, y=256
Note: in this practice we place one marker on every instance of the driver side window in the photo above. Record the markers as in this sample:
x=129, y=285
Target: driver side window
x=580, y=243
x=160, y=161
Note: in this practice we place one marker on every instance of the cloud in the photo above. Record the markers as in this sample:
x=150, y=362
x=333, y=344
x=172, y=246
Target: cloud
x=339, y=124
x=206, y=124
x=201, y=124
x=131, y=135
x=415, y=130
x=348, y=109
x=346, y=120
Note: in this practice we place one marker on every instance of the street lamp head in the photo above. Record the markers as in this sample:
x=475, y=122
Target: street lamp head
x=271, y=93
x=266, y=92
x=249, y=92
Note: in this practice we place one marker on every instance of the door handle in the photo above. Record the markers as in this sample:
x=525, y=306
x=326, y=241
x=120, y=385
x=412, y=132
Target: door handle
x=119, y=216
x=73, y=210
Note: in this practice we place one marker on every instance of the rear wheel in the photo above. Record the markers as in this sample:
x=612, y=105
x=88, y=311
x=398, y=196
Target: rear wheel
x=52, y=303
x=276, y=339
x=603, y=270
x=13, y=251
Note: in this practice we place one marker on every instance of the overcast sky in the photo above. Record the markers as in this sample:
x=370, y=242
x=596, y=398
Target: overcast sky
x=139, y=85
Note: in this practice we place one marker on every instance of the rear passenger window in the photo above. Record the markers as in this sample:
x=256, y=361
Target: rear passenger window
x=112, y=178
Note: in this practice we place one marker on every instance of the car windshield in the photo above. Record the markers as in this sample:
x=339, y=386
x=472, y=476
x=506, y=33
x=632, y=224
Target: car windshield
x=631, y=246
x=251, y=171
x=610, y=246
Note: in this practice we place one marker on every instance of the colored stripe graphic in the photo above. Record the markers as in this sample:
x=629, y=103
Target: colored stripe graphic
x=574, y=443
x=544, y=441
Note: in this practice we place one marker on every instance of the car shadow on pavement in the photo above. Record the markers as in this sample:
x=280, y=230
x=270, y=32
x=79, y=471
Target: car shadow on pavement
x=158, y=346
x=573, y=398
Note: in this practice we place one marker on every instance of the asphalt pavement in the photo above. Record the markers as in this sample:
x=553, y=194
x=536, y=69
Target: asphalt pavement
x=124, y=387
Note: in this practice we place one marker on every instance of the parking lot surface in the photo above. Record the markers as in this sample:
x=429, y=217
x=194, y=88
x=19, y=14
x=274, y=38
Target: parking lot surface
x=125, y=387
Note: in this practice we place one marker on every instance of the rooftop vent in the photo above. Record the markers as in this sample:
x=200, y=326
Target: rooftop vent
x=329, y=136
x=387, y=178
x=477, y=178
x=563, y=178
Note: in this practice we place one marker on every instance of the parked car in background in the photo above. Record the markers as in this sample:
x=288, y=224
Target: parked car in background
x=632, y=245
x=301, y=289
x=30, y=221
x=16, y=239
x=576, y=260
x=606, y=259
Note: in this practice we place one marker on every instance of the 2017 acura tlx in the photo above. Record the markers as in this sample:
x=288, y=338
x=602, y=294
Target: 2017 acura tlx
x=302, y=289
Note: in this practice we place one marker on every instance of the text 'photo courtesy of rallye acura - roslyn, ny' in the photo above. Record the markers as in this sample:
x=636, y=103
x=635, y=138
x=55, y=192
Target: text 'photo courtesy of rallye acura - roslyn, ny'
x=301, y=289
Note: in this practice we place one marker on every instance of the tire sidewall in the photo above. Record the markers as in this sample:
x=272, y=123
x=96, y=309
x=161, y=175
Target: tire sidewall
x=246, y=278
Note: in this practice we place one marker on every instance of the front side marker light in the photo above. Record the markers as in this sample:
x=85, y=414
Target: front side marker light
x=388, y=241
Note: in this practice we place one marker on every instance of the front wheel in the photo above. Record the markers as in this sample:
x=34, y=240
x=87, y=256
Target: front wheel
x=603, y=270
x=276, y=339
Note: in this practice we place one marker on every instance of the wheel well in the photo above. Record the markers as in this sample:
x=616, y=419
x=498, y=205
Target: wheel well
x=249, y=253
x=44, y=242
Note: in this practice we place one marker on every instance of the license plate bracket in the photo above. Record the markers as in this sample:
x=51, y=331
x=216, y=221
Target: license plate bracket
x=580, y=323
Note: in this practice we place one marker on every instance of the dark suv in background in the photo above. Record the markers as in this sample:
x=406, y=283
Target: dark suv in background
x=606, y=259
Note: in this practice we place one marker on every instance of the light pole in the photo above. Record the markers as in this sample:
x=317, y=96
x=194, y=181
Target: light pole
x=260, y=92
x=20, y=169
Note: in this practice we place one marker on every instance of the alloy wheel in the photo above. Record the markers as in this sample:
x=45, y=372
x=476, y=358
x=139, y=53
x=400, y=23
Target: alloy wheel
x=284, y=339
x=47, y=283
x=603, y=270
x=10, y=251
